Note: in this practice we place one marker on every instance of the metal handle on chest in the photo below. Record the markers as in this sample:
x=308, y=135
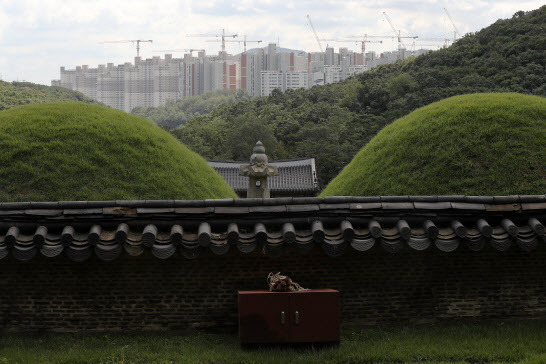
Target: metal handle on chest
x=283, y=319
x=297, y=317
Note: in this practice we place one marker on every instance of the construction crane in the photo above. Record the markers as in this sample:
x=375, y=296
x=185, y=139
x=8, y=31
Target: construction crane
x=191, y=50
x=135, y=41
x=315, y=32
x=426, y=45
x=222, y=36
x=396, y=32
x=445, y=40
x=363, y=42
x=244, y=41
x=366, y=36
x=455, y=30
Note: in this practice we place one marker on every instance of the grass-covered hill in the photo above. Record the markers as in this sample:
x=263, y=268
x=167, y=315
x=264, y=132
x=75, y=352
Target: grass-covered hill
x=23, y=93
x=178, y=112
x=332, y=122
x=77, y=151
x=477, y=144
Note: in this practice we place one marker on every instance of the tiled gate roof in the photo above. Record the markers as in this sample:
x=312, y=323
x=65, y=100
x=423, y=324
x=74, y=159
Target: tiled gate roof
x=295, y=175
x=338, y=225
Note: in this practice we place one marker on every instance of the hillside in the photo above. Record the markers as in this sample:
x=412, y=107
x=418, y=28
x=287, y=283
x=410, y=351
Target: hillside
x=457, y=146
x=332, y=122
x=23, y=93
x=76, y=151
x=177, y=113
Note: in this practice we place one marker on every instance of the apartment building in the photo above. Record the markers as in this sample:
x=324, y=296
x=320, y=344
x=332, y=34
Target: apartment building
x=271, y=80
x=295, y=79
x=152, y=82
x=147, y=83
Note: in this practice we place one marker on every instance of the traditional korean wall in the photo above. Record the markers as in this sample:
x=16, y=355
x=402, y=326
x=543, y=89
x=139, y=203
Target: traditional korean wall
x=145, y=293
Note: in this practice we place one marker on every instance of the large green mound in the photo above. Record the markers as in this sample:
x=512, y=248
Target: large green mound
x=23, y=93
x=478, y=144
x=77, y=151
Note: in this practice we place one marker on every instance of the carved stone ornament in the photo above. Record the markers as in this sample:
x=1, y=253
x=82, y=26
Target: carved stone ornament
x=258, y=170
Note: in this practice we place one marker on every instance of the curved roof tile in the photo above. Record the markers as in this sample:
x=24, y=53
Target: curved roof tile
x=338, y=226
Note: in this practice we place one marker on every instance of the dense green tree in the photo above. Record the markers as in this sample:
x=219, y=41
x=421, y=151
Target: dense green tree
x=177, y=113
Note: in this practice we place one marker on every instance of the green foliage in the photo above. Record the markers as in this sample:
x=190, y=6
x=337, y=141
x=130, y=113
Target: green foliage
x=505, y=342
x=76, y=151
x=478, y=144
x=400, y=85
x=24, y=93
x=177, y=113
x=332, y=122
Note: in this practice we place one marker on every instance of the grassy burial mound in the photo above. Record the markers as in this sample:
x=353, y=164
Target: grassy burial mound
x=77, y=151
x=478, y=144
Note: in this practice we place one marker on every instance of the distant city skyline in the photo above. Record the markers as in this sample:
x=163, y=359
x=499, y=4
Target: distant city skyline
x=37, y=37
x=154, y=81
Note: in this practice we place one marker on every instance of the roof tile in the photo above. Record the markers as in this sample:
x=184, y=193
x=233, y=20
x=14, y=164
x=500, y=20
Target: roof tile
x=302, y=208
x=503, y=207
x=534, y=206
x=231, y=210
x=432, y=205
x=506, y=199
x=366, y=206
x=193, y=210
x=397, y=205
x=394, y=198
x=467, y=206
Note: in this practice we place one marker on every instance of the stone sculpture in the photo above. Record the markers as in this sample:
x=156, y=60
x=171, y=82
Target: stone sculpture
x=257, y=171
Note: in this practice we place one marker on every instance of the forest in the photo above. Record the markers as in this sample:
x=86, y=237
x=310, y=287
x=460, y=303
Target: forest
x=333, y=122
x=177, y=113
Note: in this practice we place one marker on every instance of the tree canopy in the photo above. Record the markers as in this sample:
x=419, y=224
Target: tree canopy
x=177, y=113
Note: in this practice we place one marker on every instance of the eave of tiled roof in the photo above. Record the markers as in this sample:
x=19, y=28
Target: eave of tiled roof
x=295, y=175
x=338, y=225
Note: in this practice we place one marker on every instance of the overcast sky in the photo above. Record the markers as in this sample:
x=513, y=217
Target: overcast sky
x=39, y=36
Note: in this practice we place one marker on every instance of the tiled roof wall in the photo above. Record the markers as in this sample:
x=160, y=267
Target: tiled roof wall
x=406, y=259
x=336, y=225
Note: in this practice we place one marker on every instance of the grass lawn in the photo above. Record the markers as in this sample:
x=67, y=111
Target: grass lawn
x=491, y=342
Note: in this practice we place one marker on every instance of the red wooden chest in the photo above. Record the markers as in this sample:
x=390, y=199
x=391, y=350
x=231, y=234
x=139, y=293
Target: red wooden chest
x=282, y=317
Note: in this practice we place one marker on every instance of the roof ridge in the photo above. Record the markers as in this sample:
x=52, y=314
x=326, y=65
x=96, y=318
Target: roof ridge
x=408, y=200
x=272, y=161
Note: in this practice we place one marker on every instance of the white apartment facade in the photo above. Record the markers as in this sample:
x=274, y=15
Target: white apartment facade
x=153, y=82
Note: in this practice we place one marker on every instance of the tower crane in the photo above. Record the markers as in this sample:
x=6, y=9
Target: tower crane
x=222, y=36
x=315, y=32
x=244, y=41
x=135, y=41
x=397, y=33
x=445, y=40
x=366, y=36
x=363, y=42
x=191, y=50
x=455, y=30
